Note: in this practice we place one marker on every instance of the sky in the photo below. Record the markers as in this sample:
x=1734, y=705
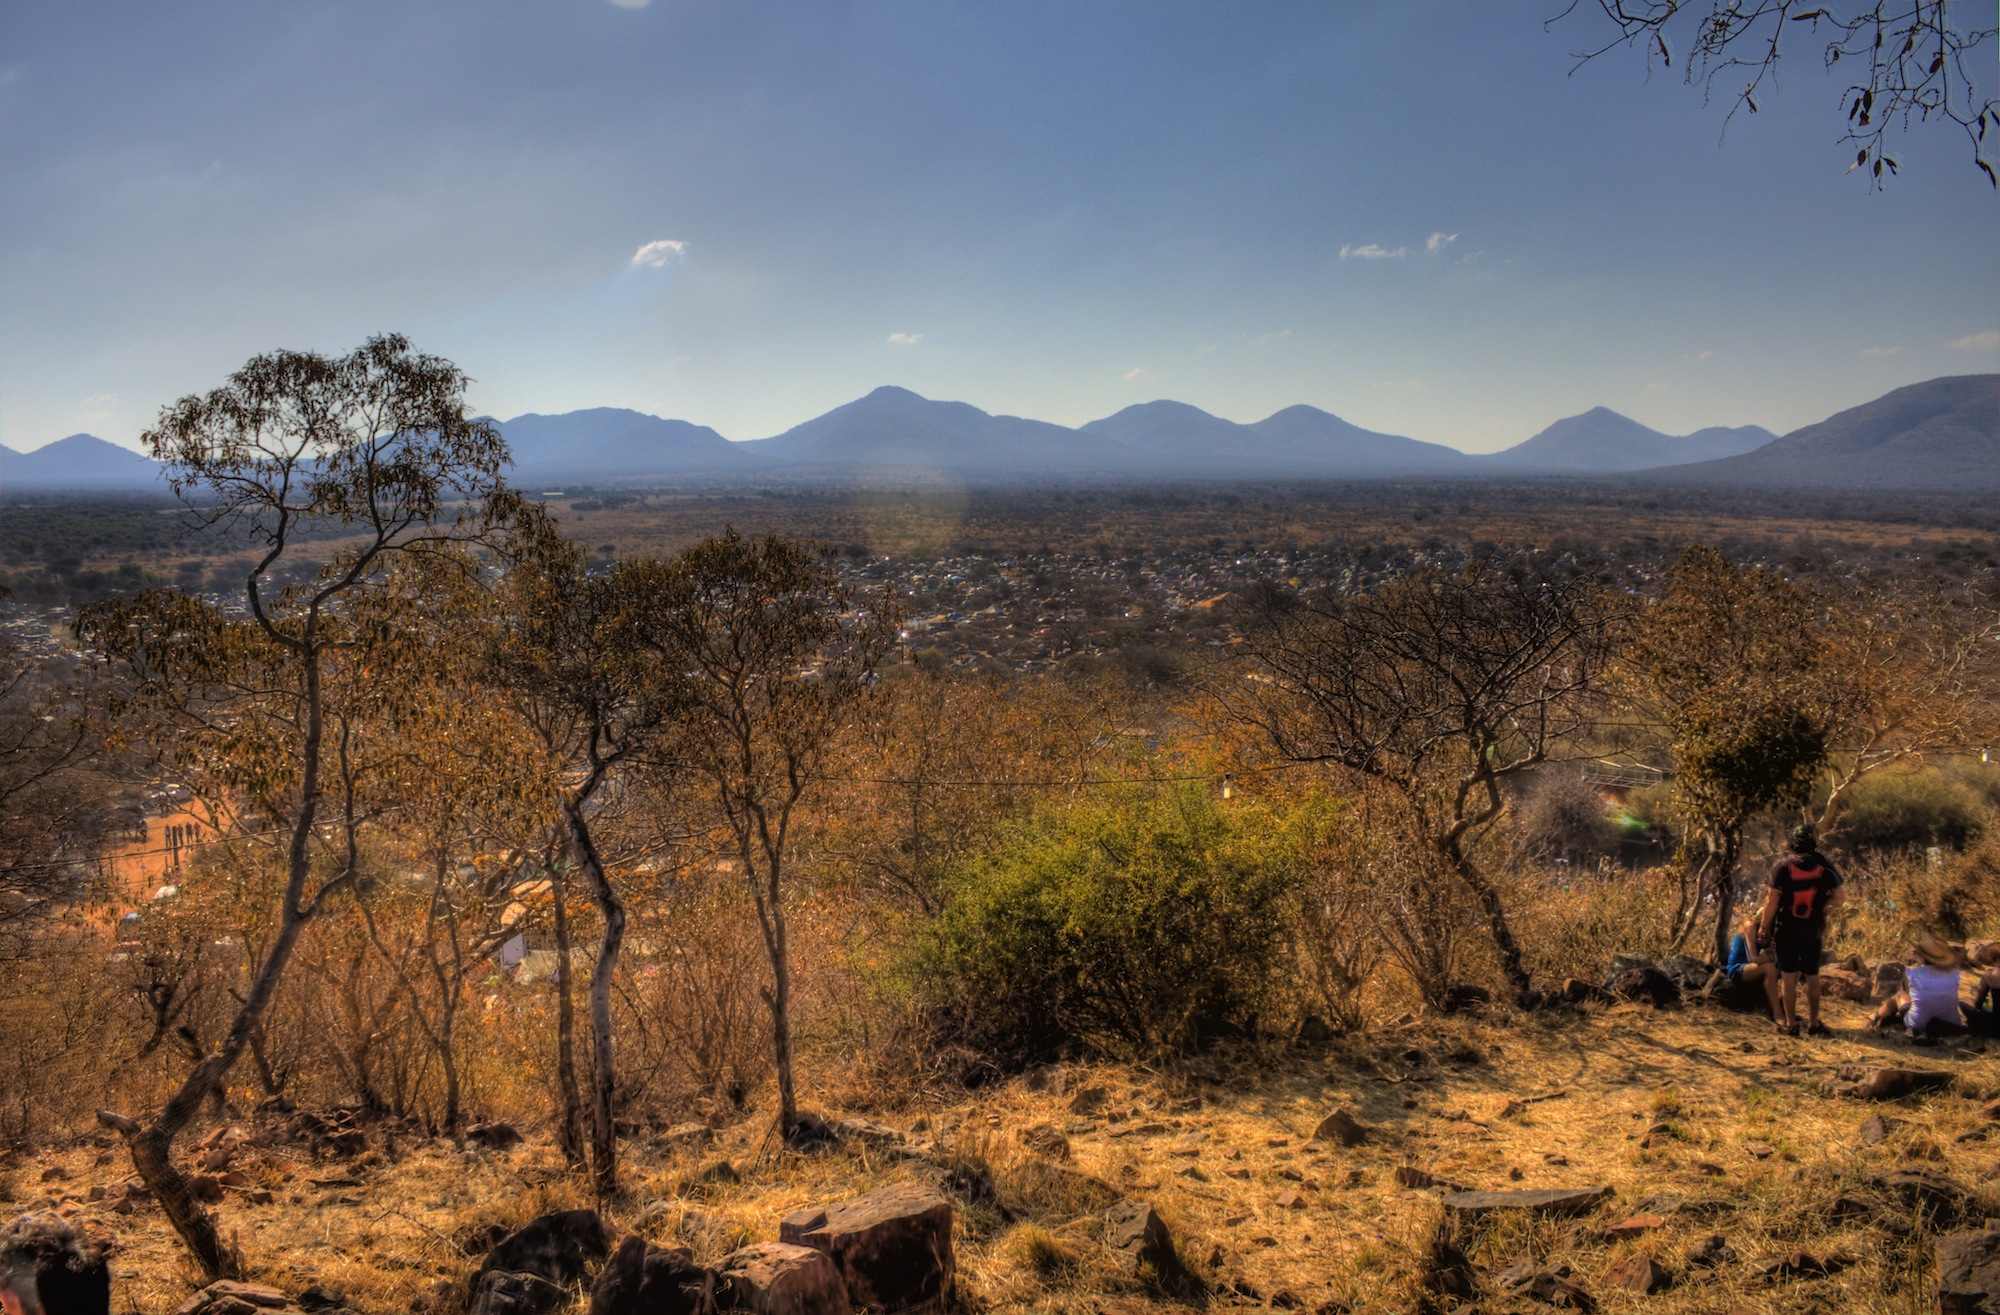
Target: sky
x=743, y=213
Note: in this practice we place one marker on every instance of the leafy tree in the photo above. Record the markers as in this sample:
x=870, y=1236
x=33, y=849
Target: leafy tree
x=1914, y=59
x=1727, y=662
x=369, y=458
x=775, y=654
x=1438, y=687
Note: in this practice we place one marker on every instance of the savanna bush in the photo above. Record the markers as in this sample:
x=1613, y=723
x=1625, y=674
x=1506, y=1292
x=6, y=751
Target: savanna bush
x=1911, y=809
x=1129, y=924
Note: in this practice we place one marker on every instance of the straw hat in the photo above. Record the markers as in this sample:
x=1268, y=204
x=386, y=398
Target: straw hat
x=1935, y=952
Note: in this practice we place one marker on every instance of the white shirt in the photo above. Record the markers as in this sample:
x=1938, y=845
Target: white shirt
x=1933, y=995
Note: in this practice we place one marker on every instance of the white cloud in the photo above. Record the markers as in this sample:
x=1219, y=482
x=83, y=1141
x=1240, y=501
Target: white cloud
x=660, y=254
x=1704, y=356
x=1437, y=242
x=1983, y=341
x=101, y=406
x=631, y=4
x=1371, y=251
x=904, y=339
x=1137, y=373
x=1880, y=351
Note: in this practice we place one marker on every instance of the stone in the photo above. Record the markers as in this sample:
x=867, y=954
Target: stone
x=1712, y=1252
x=1636, y=1226
x=255, y=1294
x=642, y=1279
x=1639, y=1273
x=560, y=1246
x=1546, y=1201
x=1554, y=1287
x=1875, y=1129
x=1843, y=984
x=506, y=1292
x=866, y=1132
x=1758, y=1150
x=1968, y=1272
x=494, y=1136
x=892, y=1246
x=689, y=1134
x=1045, y=1140
x=777, y=1278
x=1088, y=1100
x=1340, y=1128
x=1943, y=1198
x=1314, y=1031
x=1409, y=1175
x=1290, y=1200
x=1797, y=1264
x=1135, y=1230
x=1645, y=985
x=1892, y=1083
x=205, y=1187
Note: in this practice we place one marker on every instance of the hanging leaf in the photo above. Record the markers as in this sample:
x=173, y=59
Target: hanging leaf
x=1751, y=101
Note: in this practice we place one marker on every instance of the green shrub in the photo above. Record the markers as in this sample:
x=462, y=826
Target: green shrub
x=1133, y=924
x=1911, y=809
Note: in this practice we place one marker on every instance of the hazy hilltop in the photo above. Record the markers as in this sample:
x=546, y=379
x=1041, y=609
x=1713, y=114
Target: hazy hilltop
x=1601, y=441
x=1943, y=434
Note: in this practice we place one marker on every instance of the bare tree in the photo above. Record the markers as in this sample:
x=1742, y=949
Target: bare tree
x=1915, y=60
x=368, y=458
x=776, y=653
x=1438, y=687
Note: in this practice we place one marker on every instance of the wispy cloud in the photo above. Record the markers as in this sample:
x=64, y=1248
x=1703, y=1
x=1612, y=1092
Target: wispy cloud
x=1983, y=341
x=1371, y=251
x=904, y=339
x=99, y=406
x=1704, y=356
x=1137, y=373
x=1437, y=242
x=631, y=4
x=660, y=254
x=1880, y=351
x=1266, y=339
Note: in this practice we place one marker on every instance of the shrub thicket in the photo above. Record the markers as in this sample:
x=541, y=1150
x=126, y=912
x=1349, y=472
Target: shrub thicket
x=1130, y=924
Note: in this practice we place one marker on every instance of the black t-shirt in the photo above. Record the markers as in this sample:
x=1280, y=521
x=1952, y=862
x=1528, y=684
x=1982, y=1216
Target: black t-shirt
x=1803, y=881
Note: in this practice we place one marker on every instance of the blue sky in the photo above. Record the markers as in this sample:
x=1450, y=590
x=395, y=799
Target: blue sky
x=745, y=212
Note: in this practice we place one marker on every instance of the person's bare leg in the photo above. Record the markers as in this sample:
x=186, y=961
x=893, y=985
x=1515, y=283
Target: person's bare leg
x=1812, y=1000
x=1767, y=977
x=1790, y=998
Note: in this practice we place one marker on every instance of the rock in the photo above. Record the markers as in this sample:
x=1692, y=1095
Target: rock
x=1314, y=1031
x=1712, y=1252
x=1134, y=1229
x=1088, y=1100
x=317, y=1299
x=1553, y=1286
x=865, y=1132
x=205, y=1187
x=1046, y=1140
x=1408, y=1175
x=1892, y=1083
x=1290, y=1200
x=1842, y=984
x=811, y=1133
x=892, y=1246
x=1547, y=1201
x=506, y=1292
x=1639, y=1273
x=1922, y=1189
x=1968, y=1273
x=560, y=1247
x=1340, y=1128
x=689, y=1134
x=1758, y=1150
x=1648, y=986
x=1637, y=1226
x=493, y=1136
x=777, y=1278
x=1875, y=1129
x=642, y=1279
x=1799, y=1264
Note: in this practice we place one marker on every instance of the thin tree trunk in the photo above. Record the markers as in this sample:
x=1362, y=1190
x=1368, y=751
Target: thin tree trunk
x=1497, y=926
x=569, y=1130
x=603, y=1073
x=152, y=1145
x=1725, y=893
x=781, y=1016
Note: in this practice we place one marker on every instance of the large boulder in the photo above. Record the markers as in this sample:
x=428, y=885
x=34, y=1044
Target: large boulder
x=1547, y=1201
x=505, y=1292
x=1968, y=1273
x=892, y=1245
x=777, y=1278
x=42, y=1254
x=560, y=1246
x=1135, y=1230
x=642, y=1279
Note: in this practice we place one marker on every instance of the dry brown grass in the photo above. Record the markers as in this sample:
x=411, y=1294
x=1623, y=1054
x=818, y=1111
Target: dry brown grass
x=1217, y=1153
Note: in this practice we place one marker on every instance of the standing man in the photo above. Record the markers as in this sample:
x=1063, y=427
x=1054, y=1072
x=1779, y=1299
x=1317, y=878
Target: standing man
x=1802, y=890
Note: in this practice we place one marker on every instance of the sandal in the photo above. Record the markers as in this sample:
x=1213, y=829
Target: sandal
x=1819, y=1029
x=1790, y=1029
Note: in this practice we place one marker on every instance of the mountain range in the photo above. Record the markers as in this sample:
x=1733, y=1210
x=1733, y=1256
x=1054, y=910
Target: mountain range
x=1942, y=434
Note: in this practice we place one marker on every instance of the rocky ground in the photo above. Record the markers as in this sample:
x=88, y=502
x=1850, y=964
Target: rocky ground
x=1699, y=1162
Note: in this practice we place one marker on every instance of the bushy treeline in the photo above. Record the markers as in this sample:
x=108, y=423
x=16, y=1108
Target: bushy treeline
x=489, y=828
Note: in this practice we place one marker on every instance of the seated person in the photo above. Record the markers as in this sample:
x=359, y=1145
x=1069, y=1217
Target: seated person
x=1982, y=1015
x=1753, y=967
x=1928, y=1003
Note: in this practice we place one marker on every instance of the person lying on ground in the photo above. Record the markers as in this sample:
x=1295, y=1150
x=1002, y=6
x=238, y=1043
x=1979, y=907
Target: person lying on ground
x=1928, y=1004
x=1752, y=965
x=1801, y=890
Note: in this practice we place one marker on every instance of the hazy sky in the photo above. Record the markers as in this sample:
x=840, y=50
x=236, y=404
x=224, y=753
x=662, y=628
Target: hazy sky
x=745, y=212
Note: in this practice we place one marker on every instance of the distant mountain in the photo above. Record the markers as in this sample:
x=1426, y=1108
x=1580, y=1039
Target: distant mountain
x=1601, y=441
x=895, y=432
x=81, y=462
x=1176, y=441
x=1940, y=434
x=609, y=443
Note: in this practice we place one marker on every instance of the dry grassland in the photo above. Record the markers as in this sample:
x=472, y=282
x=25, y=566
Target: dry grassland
x=1741, y=1128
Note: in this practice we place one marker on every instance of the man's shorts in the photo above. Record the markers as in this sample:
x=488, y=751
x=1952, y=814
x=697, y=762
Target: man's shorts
x=1798, y=949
